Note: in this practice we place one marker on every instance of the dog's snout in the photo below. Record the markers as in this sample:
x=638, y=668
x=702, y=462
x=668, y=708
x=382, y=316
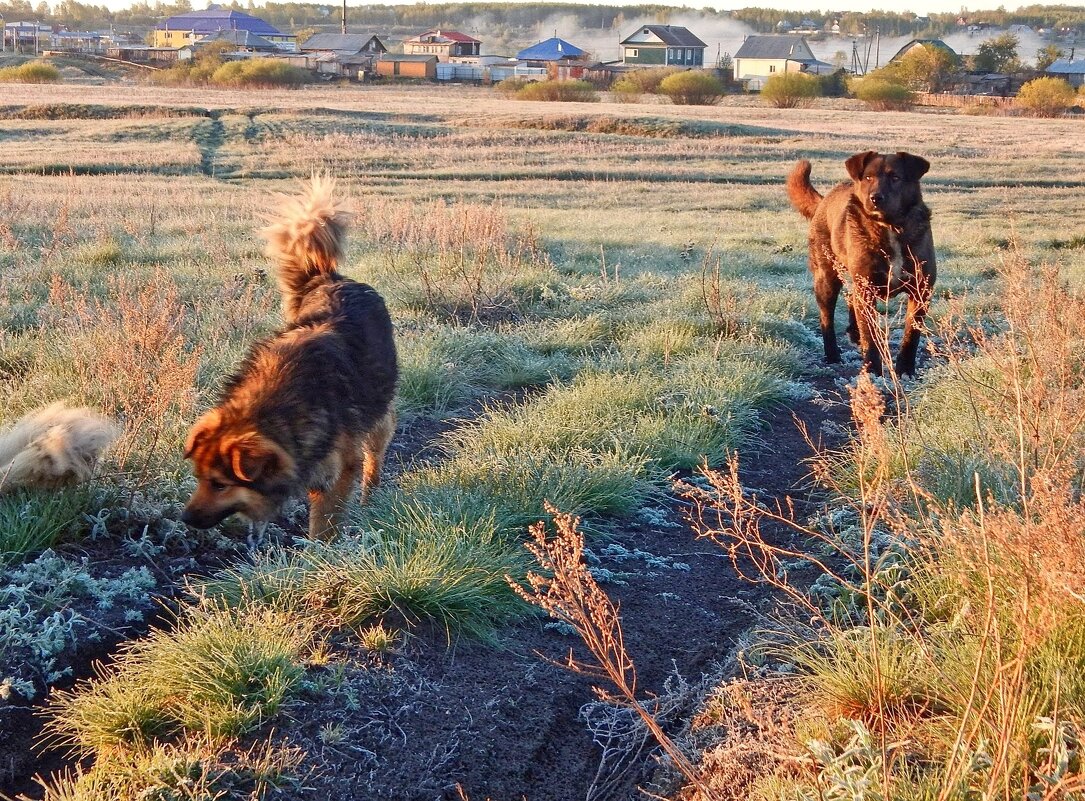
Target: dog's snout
x=877, y=198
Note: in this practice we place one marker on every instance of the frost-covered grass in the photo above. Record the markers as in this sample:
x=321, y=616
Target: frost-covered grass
x=609, y=300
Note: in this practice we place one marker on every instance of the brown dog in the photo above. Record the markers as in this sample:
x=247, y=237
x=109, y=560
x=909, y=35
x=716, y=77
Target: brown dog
x=875, y=229
x=311, y=407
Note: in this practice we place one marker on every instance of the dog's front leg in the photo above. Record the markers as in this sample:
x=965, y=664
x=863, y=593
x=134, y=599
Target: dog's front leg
x=866, y=312
x=913, y=327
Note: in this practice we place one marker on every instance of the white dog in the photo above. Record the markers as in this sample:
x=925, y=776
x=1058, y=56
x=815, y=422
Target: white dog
x=53, y=446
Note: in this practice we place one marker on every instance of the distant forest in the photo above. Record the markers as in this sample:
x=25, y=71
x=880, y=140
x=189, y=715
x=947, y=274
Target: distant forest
x=521, y=17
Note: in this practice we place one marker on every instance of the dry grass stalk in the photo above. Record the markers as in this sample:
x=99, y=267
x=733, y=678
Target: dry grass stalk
x=463, y=253
x=567, y=591
x=130, y=355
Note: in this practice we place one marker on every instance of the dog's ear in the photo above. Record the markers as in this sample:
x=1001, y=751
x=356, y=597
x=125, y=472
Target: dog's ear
x=857, y=163
x=915, y=167
x=200, y=430
x=254, y=457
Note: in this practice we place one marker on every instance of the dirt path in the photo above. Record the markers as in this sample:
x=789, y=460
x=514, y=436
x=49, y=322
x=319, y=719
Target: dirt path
x=497, y=719
x=503, y=723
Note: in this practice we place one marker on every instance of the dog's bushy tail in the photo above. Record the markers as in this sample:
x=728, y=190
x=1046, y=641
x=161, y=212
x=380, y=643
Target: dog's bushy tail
x=801, y=192
x=53, y=446
x=306, y=238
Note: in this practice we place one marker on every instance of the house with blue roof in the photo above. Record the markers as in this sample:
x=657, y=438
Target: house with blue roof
x=552, y=51
x=185, y=29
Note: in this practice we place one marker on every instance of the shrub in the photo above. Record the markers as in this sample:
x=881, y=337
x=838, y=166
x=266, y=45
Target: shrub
x=791, y=89
x=1045, y=97
x=626, y=90
x=259, y=72
x=511, y=86
x=30, y=72
x=646, y=81
x=882, y=95
x=562, y=91
x=692, y=88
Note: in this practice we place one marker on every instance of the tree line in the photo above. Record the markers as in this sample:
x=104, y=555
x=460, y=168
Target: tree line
x=293, y=15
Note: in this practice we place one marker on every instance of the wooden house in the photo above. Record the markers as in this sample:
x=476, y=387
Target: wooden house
x=662, y=45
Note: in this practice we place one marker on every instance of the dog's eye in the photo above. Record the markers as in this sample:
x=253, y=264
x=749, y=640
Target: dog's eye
x=871, y=177
x=217, y=486
x=894, y=178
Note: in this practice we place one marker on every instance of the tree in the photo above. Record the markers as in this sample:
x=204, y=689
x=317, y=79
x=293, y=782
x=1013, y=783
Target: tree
x=1046, y=56
x=924, y=69
x=997, y=55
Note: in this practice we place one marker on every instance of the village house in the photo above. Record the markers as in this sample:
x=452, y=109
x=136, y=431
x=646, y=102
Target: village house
x=1068, y=69
x=348, y=55
x=662, y=45
x=761, y=57
x=926, y=44
x=551, y=51
x=185, y=29
x=239, y=41
x=446, y=45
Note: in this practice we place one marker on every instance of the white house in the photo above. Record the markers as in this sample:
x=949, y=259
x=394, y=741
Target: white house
x=761, y=57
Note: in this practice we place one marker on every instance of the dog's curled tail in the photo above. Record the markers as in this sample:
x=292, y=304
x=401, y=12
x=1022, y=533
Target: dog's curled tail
x=801, y=192
x=305, y=237
x=53, y=446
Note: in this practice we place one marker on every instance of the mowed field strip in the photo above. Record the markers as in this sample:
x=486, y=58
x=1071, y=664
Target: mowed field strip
x=589, y=300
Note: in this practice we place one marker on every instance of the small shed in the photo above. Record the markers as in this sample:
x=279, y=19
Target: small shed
x=407, y=65
x=927, y=44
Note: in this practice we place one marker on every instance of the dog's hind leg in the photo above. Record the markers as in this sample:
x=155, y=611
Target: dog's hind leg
x=373, y=450
x=827, y=289
x=327, y=508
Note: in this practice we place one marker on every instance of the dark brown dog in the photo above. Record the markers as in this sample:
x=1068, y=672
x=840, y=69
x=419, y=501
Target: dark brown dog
x=876, y=230
x=311, y=407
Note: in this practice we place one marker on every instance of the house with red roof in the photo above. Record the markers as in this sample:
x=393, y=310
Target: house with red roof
x=446, y=45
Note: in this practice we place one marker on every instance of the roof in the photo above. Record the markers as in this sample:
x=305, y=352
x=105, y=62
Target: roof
x=239, y=38
x=1064, y=66
x=553, y=49
x=213, y=18
x=352, y=42
x=670, y=35
x=770, y=47
x=937, y=44
x=444, y=36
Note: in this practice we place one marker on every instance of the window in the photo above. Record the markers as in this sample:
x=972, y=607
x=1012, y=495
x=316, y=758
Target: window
x=632, y=52
x=772, y=68
x=689, y=54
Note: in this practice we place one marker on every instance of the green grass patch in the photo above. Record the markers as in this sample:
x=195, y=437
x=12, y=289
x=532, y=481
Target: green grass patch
x=31, y=521
x=220, y=672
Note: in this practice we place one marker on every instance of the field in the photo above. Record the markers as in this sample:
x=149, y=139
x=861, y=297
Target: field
x=590, y=300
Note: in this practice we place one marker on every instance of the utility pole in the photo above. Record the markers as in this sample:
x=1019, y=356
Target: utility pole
x=344, y=25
